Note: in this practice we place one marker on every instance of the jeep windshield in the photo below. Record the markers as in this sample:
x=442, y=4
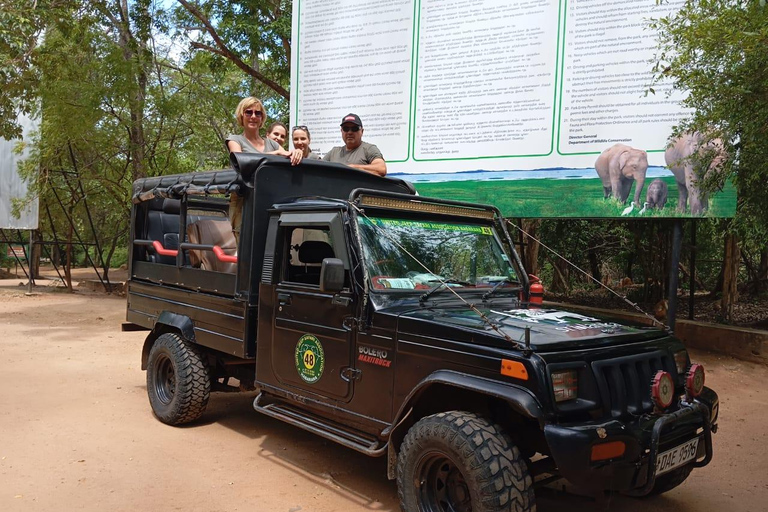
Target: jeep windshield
x=462, y=256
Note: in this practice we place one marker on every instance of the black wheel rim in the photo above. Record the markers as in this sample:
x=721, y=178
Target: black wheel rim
x=441, y=485
x=165, y=379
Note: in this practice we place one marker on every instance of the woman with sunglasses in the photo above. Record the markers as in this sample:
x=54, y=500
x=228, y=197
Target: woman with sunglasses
x=250, y=115
x=301, y=140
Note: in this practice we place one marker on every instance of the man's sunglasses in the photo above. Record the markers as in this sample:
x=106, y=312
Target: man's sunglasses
x=353, y=128
x=249, y=113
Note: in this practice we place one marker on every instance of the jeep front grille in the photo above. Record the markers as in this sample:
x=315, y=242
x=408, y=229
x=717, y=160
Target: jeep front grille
x=625, y=382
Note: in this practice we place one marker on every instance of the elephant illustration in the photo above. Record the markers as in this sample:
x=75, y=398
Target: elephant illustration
x=656, y=196
x=618, y=166
x=685, y=157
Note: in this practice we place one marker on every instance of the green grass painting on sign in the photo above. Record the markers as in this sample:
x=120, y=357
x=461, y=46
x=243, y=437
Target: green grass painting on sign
x=575, y=198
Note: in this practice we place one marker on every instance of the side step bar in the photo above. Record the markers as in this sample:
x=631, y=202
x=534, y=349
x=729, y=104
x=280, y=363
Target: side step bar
x=358, y=441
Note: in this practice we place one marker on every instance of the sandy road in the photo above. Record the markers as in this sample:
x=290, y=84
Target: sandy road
x=76, y=433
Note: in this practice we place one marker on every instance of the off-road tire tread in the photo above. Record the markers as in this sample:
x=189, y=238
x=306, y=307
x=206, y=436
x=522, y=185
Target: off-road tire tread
x=193, y=383
x=494, y=469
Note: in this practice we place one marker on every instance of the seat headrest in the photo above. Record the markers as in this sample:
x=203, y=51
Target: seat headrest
x=315, y=251
x=172, y=206
x=156, y=204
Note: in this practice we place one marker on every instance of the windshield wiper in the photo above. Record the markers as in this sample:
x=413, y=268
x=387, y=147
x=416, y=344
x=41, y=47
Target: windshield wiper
x=490, y=292
x=444, y=282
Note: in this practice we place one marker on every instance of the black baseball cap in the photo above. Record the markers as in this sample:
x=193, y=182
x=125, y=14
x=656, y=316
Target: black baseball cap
x=352, y=118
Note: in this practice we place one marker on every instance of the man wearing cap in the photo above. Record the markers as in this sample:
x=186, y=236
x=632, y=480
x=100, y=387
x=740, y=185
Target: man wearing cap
x=356, y=153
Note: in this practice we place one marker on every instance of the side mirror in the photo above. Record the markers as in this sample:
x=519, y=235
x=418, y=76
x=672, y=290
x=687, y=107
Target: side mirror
x=332, y=275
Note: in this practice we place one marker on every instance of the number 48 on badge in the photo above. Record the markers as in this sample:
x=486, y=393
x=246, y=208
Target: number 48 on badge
x=310, y=359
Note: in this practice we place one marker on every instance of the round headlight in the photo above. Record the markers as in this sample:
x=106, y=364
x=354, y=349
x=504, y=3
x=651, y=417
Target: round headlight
x=662, y=389
x=694, y=380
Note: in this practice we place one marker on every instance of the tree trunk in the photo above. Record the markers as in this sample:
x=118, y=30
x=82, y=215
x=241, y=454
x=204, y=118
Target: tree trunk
x=731, y=262
x=631, y=262
x=133, y=40
x=531, y=255
x=719, y=282
x=665, y=243
x=559, y=276
x=34, y=264
x=761, y=283
x=108, y=260
x=68, y=264
x=723, y=226
x=687, y=274
x=520, y=243
x=594, y=264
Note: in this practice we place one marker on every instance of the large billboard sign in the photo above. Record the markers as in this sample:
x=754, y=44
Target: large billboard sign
x=11, y=185
x=504, y=102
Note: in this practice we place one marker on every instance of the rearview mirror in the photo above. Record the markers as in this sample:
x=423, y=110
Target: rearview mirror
x=332, y=275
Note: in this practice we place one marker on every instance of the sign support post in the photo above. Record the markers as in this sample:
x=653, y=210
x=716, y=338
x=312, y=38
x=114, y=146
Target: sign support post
x=677, y=242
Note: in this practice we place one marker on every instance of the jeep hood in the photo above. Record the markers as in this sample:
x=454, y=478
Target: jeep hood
x=551, y=329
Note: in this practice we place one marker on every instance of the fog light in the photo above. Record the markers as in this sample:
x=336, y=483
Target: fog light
x=605, y=451
x=694, y=380
x=662, y=389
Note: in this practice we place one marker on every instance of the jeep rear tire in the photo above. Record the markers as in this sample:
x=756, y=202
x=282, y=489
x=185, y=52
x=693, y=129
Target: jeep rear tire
x=178, y=383
x=458, y=462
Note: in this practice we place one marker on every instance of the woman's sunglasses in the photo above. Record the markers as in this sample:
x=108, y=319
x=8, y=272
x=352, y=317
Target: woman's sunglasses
x=250, y=113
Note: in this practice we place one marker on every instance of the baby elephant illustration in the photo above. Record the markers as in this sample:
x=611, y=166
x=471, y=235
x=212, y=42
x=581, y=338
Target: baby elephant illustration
x=691, y=159
x=618, y=166
x=656, y=197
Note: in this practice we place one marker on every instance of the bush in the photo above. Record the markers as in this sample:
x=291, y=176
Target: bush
x=119, y=258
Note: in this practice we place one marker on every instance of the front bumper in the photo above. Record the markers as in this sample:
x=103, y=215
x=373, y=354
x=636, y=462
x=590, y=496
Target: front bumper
x=645, y=437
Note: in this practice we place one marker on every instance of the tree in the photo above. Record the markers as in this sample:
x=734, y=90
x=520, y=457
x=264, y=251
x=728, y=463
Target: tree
x=22, y=24
x=254, y=35
x=715, y=51
x=114, y=108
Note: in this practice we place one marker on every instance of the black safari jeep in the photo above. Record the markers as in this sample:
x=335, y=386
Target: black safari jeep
x=400, y=326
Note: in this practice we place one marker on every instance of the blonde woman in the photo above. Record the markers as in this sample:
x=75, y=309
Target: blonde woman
x=251, y=116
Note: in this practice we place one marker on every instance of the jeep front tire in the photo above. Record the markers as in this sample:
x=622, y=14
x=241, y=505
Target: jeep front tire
x=458, y=461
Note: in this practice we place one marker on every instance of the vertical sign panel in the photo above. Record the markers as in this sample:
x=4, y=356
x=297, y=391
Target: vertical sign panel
x=11, y=185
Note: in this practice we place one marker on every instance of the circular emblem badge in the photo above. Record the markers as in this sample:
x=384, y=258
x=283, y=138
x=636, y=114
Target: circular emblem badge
x=310, y=359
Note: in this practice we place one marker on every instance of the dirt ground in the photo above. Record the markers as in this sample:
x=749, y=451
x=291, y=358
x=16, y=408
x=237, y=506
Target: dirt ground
x=77, y=433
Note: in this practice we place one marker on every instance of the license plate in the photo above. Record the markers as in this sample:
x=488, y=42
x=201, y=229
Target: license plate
x=677, y=456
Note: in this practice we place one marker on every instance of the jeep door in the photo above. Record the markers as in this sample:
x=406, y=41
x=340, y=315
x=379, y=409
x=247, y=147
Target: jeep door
x=312, y=333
